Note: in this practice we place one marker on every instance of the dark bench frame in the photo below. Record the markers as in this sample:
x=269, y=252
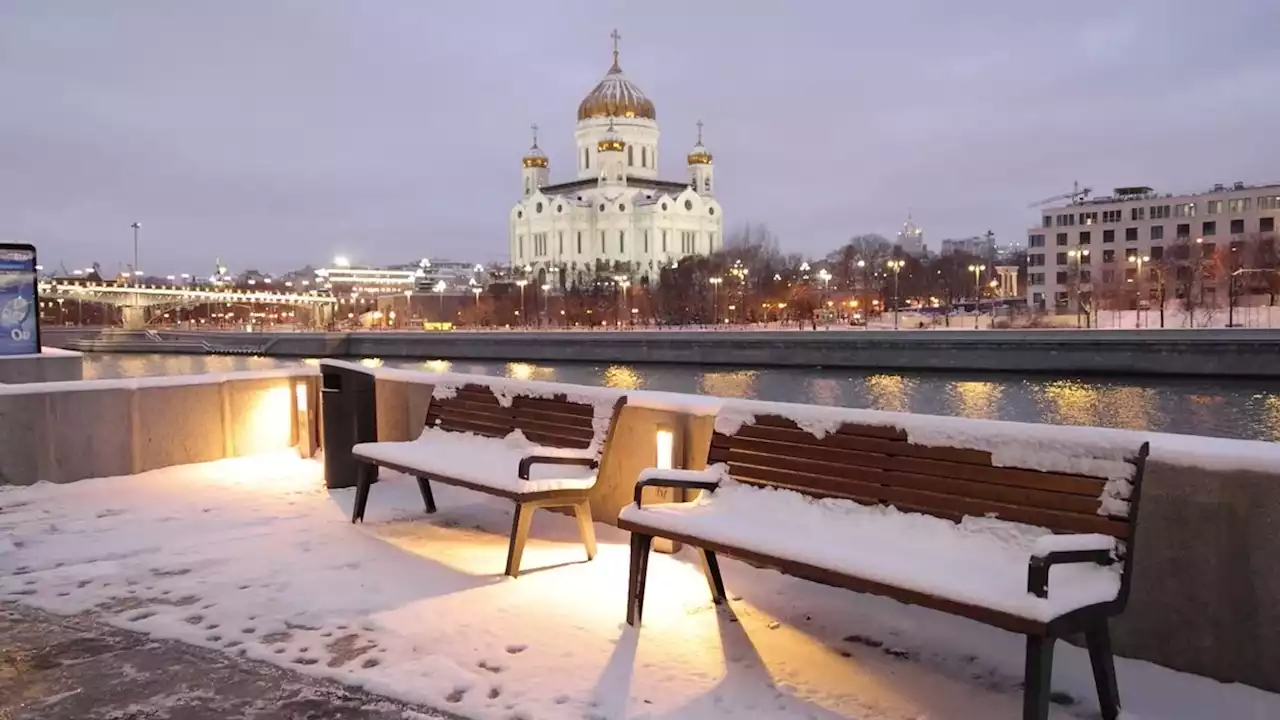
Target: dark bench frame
x=1091, y=620
x=525, y=503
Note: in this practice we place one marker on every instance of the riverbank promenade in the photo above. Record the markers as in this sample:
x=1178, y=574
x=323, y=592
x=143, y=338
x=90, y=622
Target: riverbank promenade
x=198, y=513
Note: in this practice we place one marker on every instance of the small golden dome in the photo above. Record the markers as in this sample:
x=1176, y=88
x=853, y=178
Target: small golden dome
x=616, y=96
x=699, y=154
x=535, y=157
x=612, y=141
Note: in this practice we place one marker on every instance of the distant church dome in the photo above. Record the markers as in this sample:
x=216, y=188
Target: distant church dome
x=535, y=157
x=699, y=155
x=612, y=141
x=616, y=96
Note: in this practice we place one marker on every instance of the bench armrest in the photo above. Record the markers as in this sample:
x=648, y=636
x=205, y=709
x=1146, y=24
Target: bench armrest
x=530, y=460
x=1038, y=568
x=678, y=479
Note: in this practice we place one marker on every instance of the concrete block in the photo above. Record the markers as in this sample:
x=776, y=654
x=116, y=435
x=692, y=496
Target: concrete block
x=23, y=444
x=51, y=366
x=393, y=410
x=1205, y=587
x=177, y=425
x=90, y=434
x=258, y=415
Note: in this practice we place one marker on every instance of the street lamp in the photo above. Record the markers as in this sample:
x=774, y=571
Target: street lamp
x=977, y=292
x=136, y=227
x=545, y=309
x=341, y=261
x=896, y=266
x=715, y=299
x=439, y=289
x=1076, y=256
x=521, y=283
x=1139, y=260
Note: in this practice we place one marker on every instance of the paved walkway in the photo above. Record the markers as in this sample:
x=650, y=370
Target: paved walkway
x=76, y=668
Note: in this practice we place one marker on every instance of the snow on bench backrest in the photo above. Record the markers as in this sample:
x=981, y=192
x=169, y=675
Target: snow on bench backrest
x=947, y=467
x=548, y=414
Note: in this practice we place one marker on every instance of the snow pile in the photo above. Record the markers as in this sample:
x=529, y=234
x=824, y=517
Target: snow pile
x=976, y=562
x=253, y=556
x=484, y=461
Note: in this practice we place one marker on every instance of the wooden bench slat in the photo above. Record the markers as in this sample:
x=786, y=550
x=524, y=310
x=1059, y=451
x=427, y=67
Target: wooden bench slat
x=479, y=413
x=871, y=431
x=850, y=442
x=564, y=407
x=929, y=501
x=543, y=438
x=527, y=425
x=944, y=486
x=459, y=425
x=555, y=418
x=475, y=393
x=1028, y=479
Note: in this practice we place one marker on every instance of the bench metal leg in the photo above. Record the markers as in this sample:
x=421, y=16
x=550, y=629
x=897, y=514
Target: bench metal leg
x=711, y=568
x=364, y=481
x=1035, y=691
x=519, y=534
x=586, y=529
x=640, y=545
x=424, y=486
x=1098, y=640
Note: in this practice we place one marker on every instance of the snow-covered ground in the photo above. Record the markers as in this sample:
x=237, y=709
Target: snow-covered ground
x=255, y=556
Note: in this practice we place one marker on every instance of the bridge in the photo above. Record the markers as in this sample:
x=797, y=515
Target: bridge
x=137, y=302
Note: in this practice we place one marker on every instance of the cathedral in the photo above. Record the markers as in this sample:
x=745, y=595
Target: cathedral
x=617, y=217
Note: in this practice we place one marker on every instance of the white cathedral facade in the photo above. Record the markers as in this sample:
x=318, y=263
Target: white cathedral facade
x=617, y=216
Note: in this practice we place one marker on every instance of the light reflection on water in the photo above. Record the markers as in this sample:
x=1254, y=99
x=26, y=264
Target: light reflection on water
x=1201, y=406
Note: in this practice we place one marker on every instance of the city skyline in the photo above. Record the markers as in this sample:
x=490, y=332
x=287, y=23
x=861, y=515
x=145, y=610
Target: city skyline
x=275, y=136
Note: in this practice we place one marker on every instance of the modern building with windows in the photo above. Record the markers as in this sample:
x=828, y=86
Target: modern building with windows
x=617, y=216
x=1125, y=240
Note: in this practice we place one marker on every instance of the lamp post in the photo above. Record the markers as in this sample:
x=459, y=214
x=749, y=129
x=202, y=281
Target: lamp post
x=408, y=305
x=546, y=311
x=977, y=292
x=715, y=299
x=136, y=227
x=1137, y=312
x=896, y=267
x=862, y=265
x=1075, y=257
x=520, y=284
x=439, y=289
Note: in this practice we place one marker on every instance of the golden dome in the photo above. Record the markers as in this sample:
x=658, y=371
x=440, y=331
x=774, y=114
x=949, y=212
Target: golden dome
x=535, y=157
x=699, y=154
x=616, y=96
x=612, y=141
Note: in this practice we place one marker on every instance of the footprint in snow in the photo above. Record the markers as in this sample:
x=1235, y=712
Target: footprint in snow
x=516, y=649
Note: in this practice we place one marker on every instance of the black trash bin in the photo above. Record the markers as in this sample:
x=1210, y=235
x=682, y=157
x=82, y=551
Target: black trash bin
x=349, y=414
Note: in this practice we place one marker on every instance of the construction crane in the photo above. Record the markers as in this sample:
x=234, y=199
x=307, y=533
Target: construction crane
x=1077, y=195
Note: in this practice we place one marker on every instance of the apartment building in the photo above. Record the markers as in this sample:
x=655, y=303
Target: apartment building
x=1122, y=242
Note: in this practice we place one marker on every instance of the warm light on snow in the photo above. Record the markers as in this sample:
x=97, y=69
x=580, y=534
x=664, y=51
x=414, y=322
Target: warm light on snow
x=255, y=556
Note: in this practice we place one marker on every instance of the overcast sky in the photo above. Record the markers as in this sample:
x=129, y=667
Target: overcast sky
x=273, y=133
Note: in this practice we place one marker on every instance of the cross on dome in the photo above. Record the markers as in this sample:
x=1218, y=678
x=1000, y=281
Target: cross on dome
x=615, y=95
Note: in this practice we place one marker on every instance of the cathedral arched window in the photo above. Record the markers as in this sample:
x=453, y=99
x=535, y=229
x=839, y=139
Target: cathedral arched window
x=706, y=184
x=644, y=157
x=688, y=204
x=631, y=156
x=586, y=158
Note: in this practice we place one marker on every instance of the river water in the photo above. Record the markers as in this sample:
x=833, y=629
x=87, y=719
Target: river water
x=1198, y=406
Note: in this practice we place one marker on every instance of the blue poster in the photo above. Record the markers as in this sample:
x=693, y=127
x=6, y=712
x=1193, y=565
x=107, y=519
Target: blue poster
x=19, y=304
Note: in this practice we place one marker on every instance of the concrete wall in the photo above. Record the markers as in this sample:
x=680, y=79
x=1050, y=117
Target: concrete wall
x=1204, y=352
x=52, y=365
x=1206, y=593
x=62, y=432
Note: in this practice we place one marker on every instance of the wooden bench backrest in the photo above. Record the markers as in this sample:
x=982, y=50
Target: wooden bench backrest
x=554, y=421
x=473, y=409
x=876, y=465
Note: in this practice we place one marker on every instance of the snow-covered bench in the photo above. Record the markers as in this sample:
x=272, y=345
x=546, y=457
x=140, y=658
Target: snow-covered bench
x=858, y=506
x=537, y=450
